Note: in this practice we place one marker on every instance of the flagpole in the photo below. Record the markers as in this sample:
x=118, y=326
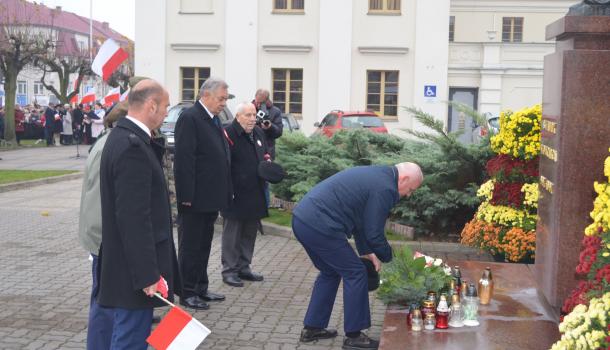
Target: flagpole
x=165, y=300
x=91, y=30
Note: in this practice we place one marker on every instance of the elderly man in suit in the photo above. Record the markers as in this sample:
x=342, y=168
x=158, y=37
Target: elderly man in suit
x=354, y=202
x=202, y=164
x=137, y=245
x=241, y=220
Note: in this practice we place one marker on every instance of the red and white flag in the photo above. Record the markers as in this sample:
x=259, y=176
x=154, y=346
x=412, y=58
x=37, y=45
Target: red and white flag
x=124, y=96
x=74, y=99
x=113, y=96
x=108, y=59
x=178, y=331
x=88, y=98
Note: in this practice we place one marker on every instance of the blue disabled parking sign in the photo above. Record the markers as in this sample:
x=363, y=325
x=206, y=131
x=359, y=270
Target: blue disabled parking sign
x=429, y=90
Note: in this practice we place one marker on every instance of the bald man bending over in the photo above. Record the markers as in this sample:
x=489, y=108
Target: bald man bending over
x=137, y=246
x=354, y=202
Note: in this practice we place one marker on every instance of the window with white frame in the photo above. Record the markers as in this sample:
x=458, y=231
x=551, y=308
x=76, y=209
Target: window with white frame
x=288, y=90
x=191, y=79
x=382, y=92
x=288, y=5
x=384, y=6
x=38, y=88
x=22, y=87
x=512, y=29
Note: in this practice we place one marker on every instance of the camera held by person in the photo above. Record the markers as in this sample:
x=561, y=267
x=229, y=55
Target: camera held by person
x=262, y=117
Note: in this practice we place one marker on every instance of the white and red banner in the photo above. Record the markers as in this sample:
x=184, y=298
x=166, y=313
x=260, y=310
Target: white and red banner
x=113, y=96
x=108, y=59
x=88, y=98
x=178, y=331
x=124, y=96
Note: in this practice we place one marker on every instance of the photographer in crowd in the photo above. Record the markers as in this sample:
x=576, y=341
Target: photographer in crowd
x=269, y=118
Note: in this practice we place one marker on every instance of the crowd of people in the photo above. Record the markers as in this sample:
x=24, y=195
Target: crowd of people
x=57, y=124
x=126, y=222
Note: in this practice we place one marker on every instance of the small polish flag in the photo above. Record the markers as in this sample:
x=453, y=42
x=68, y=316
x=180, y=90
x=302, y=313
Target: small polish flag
x=124, y=96
x=108, y=59
x=88, y=98
x=113, y=96
x=178, y=331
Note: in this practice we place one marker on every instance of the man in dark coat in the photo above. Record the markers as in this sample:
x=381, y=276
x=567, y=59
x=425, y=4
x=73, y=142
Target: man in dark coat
x=203, y=187
x=49, y=123
x=272, y=124
x=137, y=245
x=241, y=220
x=354, y=202
x=77, y=123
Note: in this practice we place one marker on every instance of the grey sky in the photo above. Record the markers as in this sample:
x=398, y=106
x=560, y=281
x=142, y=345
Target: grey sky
x=119, y=13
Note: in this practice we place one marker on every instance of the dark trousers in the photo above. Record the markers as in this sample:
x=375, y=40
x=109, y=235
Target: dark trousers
x=238, y=238
x=194, y=251
x=48, y=135
x=131, y=328
x=99, y=329
x=336, y=260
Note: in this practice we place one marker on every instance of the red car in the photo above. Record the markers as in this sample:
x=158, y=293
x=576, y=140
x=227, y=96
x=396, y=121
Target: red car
x=337, y=120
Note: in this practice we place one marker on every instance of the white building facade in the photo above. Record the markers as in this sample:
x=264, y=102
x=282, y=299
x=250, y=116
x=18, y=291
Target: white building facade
x=316, y=56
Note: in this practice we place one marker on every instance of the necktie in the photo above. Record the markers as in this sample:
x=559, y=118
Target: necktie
x=217, y=122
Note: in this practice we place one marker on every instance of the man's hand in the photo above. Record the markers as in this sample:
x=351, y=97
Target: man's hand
x=186, y=204
x=373, y=258
x=150, y=290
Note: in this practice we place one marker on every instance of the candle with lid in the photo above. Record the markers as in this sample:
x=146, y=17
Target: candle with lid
x=416, y=321
x=471, y=306
x=456, y=313
x=442, y=313
x=486, y=287
x=428, y=307
x=429, y=322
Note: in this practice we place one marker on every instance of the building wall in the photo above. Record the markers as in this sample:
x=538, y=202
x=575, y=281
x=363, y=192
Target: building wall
x=336, y=42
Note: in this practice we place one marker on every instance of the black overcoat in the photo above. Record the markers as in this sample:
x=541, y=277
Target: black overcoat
x=201, y=162
x=248, y=188
x=137, y=246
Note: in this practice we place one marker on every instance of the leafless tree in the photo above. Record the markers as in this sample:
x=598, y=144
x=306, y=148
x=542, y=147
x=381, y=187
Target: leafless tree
x=20, y=44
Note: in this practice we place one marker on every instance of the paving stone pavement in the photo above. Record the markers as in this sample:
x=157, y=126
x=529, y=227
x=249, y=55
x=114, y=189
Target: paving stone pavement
x=45, y=158
x=45, y=278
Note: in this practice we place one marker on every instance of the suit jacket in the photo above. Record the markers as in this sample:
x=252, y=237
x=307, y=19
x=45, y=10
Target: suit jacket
x=137, y=244
x=201, y=162
x=248, y=188
x=355, y=201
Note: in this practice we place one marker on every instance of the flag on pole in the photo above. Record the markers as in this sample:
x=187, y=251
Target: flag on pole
x=108, y=59
x=113, y=96
x=88, y=98
x=178, y=331
x=74, y=99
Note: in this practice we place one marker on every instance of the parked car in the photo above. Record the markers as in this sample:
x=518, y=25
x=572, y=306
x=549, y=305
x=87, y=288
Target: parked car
x=337, y=120
x=290, y=123
x=169, y=123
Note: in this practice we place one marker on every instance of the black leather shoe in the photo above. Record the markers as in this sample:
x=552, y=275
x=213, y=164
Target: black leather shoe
x=194, y=303
x=209, y=296
x=309, y=335
x=361, y=342
x=156, y=319
x=233, y=281
x=251, y=276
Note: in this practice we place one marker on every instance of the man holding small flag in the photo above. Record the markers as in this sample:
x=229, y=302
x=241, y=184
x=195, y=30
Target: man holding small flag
x=137, y=248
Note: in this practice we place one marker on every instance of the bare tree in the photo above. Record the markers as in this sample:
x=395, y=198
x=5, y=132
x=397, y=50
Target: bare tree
x=64, y=66
x=20, y=44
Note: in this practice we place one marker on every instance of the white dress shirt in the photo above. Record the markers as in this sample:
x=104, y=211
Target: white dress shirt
x=140, y=124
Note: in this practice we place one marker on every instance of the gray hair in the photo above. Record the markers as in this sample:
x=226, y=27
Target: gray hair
x=241, y=107
x=212, y=84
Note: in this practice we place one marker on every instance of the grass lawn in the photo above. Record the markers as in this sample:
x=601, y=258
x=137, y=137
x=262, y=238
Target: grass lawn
x=279, y=217
x=8, y=176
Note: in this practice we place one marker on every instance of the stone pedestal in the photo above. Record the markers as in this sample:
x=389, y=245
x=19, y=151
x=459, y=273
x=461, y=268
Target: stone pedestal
x=575, y=141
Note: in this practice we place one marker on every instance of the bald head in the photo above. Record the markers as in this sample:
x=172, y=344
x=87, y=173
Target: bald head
x=410, y=177
x=148, y=102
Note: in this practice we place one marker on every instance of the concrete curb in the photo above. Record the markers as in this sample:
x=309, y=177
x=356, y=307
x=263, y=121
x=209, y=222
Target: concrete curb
x=47, y=180
x=422, y=246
